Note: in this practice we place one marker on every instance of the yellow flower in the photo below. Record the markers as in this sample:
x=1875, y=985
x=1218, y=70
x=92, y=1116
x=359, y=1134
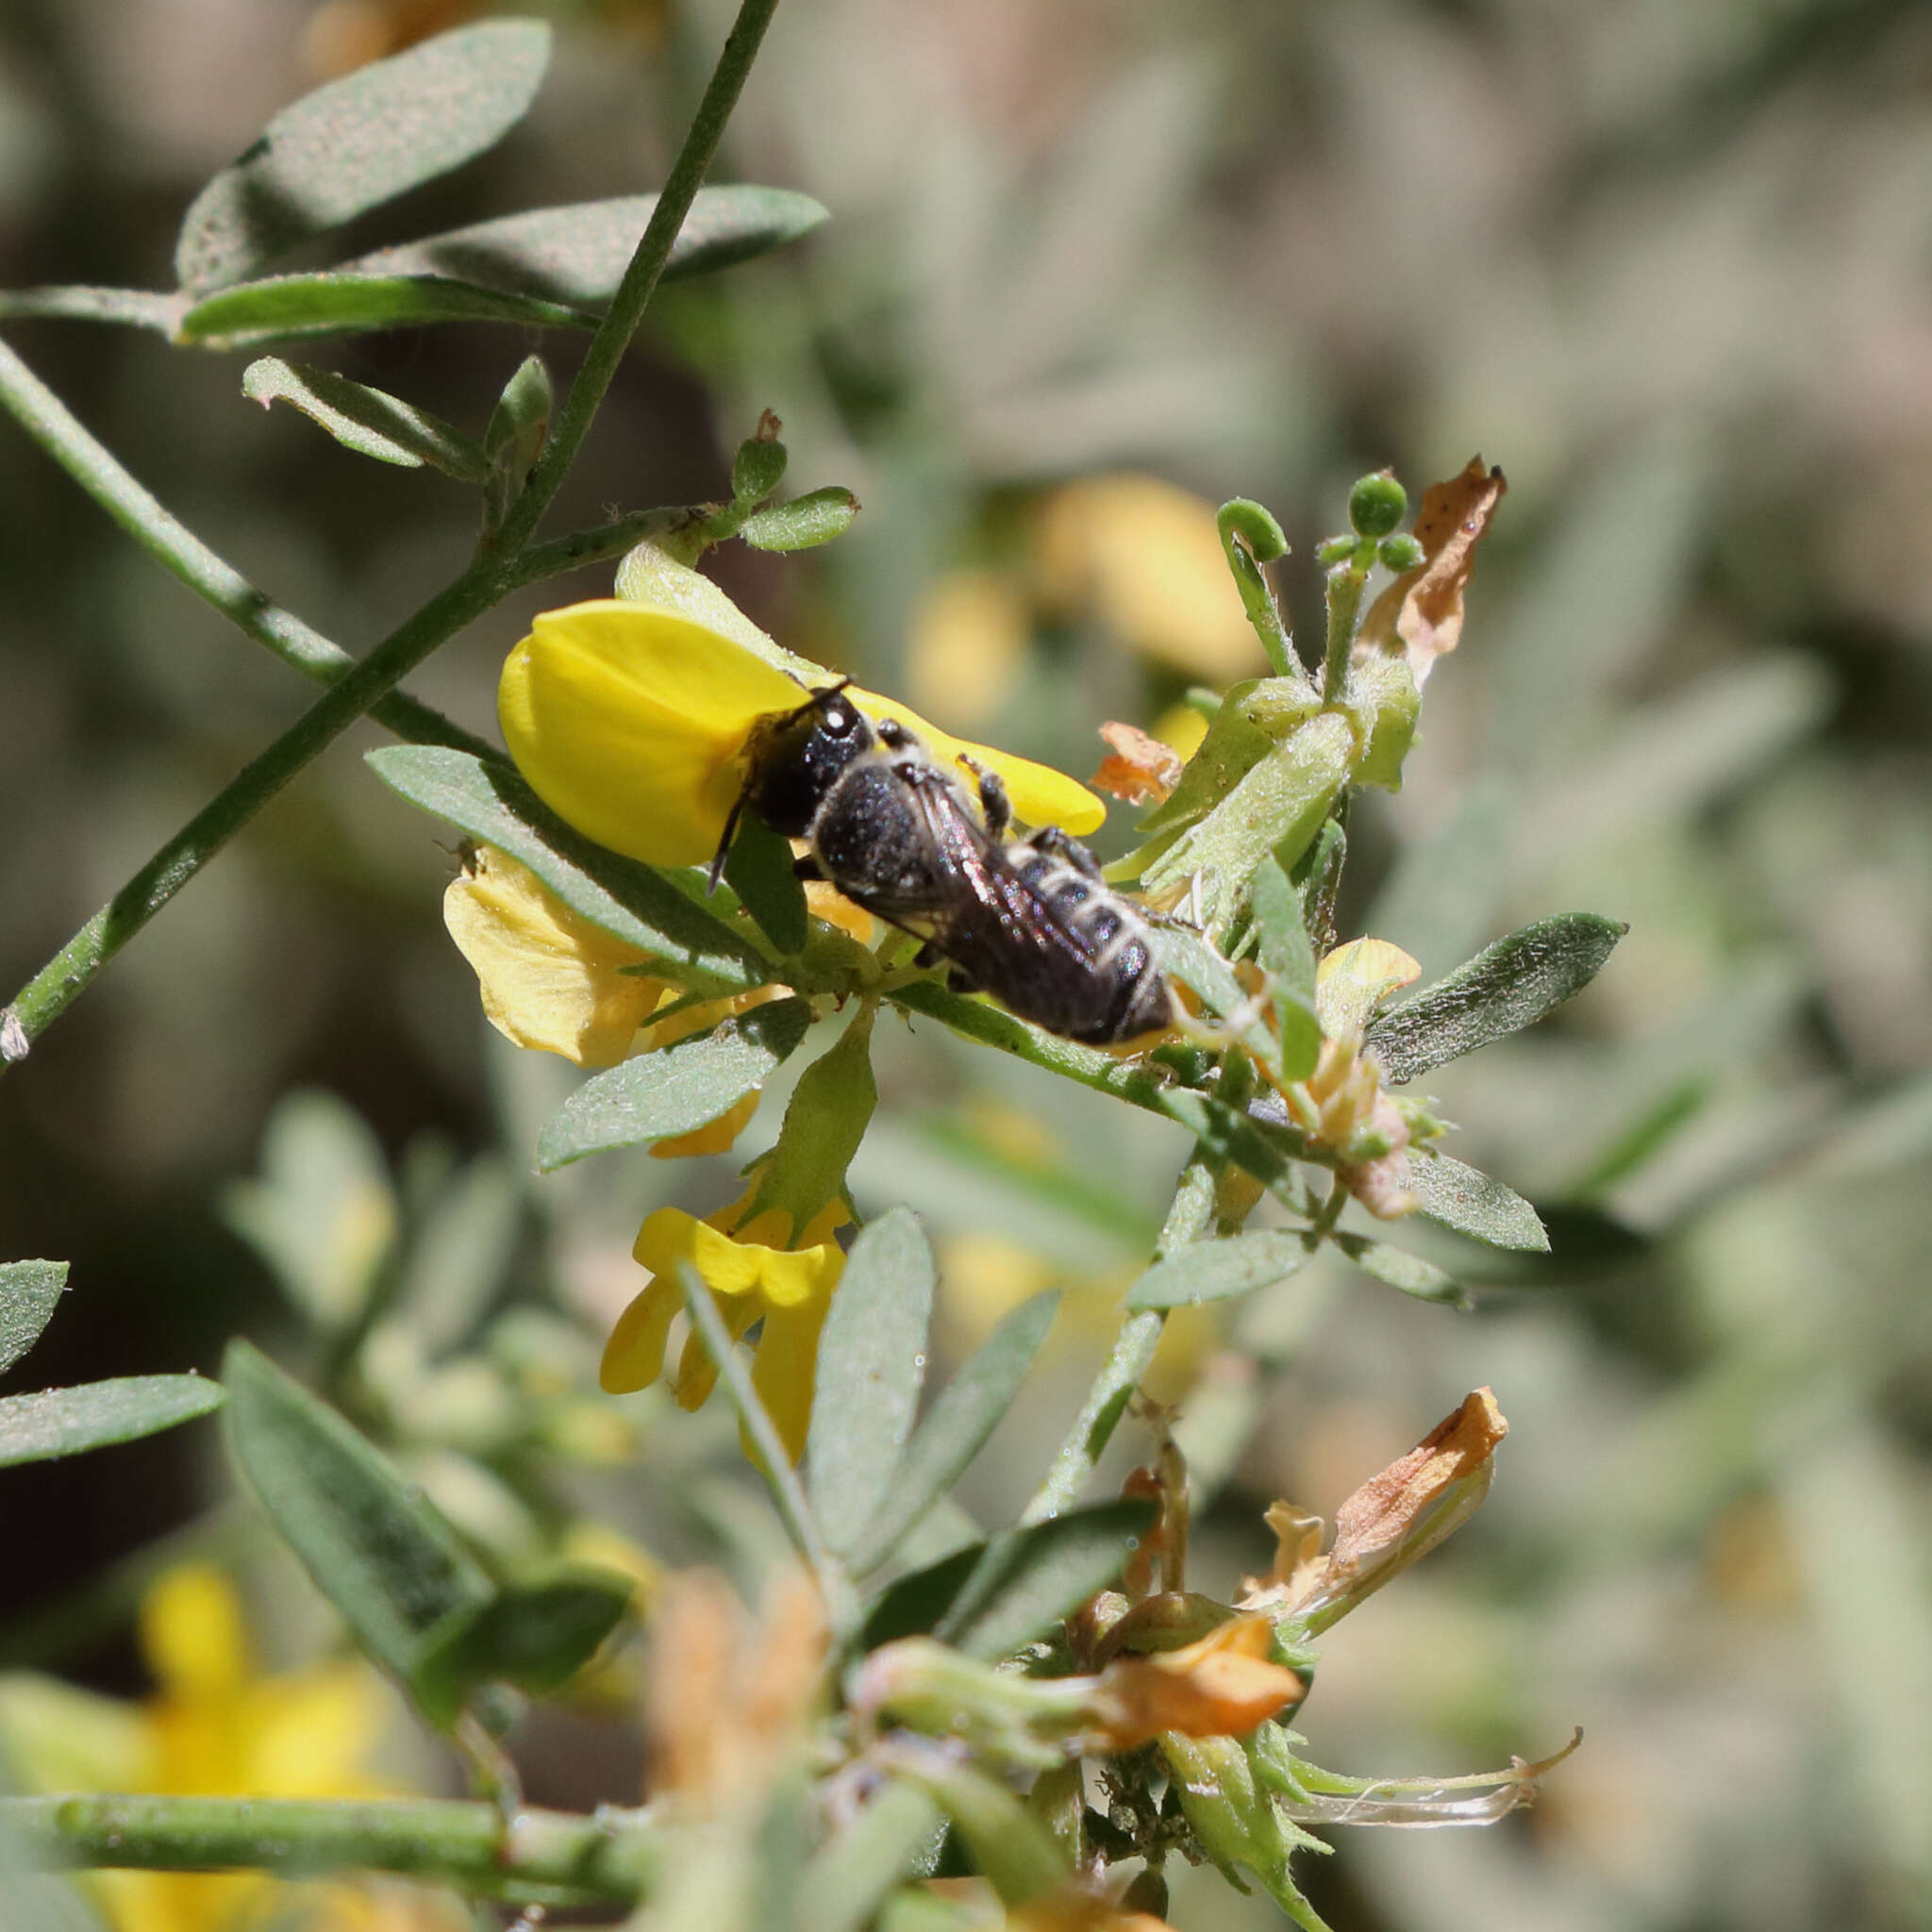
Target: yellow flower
x=215, y=1726
x=549, y=978
x=630, y=721
x=1147, y=558
x=756, y=1271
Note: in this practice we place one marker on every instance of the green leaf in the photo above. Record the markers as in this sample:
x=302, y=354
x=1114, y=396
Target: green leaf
x=1316, y=876
x=824, y=1121
x=632, y=902
x=679, y=1088
x=366, y=420
x=1288, y=955
x=519, y=427
x=536, y=1636
x=912, y=1604
x=1226, y=1133
x=1027, y=1580
x=1009, y=1847
x=760, y=870
x=360, y=142
x=129, y=307
x=803, y=524
x=296, y=309
x=1184, y=954
x=67, y=1422
x=1400, y=1269
x=864, y=1858
x=1474, y=1203
x=1216, y=1270
x=322, y=1213
x=968, y=1409
x=456, y=1261
x=30, y=1291
x=872, y=1363
x=576, y=254
x=373, y=1544
x=1507, y=987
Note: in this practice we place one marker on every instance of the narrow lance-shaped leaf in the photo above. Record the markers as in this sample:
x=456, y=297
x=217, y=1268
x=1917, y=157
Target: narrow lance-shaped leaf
x=1216, y=1271
x=366, y=420
x=360, y=142
x=536, y=1636
x=1474, y=1203
x=968, y=1409
x=1288, y=956
x=518, y=428
x=872, y=1362
x=67, y=1422
x=1027, y=1579
x=576, y=254
x=864, y=1858
x=760, y=870
x=1400, y=1269
x=674, y=1090
x=298, y=308
x=373, y=1544
x=632, y=902
x=29, y=1292
x=1507, y=987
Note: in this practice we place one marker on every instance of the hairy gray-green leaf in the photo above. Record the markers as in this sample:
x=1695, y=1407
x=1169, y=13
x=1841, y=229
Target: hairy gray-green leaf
x=1400, y=1269
x=374, y=1544
x=299, y=309
x=456, y=1259
x=803, y=524
x=1474, y=1203
x=576, y=254
x=865, y=1857
x=360, y=142
x=536, y=1635
x=30, y=1291
x=1288, y=955
x=675, y=1090
x=1027, y=1579
x=67, y=1422
x=1216, y=1271
x=872, y=1363
x=1226, y=1133
x=955, y=1428
x=320, y=1213
x=632, y=902
x=1507, y=987
x=366, y=420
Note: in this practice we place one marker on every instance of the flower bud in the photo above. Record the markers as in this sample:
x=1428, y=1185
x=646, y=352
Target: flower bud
x=1376, y=505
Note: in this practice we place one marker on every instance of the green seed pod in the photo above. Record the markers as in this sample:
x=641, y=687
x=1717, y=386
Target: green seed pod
x=1399, y=553
x=1376, y=505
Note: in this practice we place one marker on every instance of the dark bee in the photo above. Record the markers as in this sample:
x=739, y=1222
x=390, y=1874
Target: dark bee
x=1031, y=921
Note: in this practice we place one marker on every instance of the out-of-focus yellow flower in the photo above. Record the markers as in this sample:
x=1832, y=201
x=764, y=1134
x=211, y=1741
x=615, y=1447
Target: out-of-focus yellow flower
x=1147, y=558
x=549, y=978
x=758, y=1268
x=968, y=643
x=217, y=1728
x=631, y=723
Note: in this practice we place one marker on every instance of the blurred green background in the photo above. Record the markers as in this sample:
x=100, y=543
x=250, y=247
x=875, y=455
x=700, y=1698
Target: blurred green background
x=1670, y=266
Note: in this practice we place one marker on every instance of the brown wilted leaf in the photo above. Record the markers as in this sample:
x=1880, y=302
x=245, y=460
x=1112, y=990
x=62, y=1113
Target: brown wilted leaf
x=1141, y=769
x=1421, y=612
x=1222, y=1687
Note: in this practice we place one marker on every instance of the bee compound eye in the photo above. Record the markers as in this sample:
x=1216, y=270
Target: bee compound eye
x=839, y=717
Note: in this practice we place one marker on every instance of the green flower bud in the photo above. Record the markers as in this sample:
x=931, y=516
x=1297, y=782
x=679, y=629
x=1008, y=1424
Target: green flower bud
x=1335, y=550
x=1376, y=505
x=1399, y=553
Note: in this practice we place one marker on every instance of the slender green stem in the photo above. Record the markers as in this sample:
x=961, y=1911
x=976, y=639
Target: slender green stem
x=626, y=308
x=487, y=580
x=594, y=545
x=185, y=557
x=1187, y=1220
x=1346, y=582
x=546, y=1858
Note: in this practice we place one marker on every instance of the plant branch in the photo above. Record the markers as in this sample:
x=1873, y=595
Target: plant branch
x=186, y=557
x=620, y=322
x=545, y=1858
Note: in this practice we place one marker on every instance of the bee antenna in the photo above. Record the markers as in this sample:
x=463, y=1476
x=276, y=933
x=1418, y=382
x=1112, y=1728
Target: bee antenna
x=719, y=857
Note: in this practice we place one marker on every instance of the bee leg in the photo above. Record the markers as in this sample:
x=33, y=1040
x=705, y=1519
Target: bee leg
x=959, y=980
x=806, y=867
x=929, y=954
x=1054, y=843
x=994, y=806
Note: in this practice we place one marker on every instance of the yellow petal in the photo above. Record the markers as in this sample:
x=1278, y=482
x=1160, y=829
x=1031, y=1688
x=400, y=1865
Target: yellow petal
x=629, y=723
x=634, y=1356
x=1352, y=980
x=793, y=1280
x=697, y=1374
x=783, y=1368
x=549, y=978
x=670, y=1235
x=309, y=1732
x=191, y=1634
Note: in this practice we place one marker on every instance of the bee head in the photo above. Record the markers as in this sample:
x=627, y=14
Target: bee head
x=794, y=758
